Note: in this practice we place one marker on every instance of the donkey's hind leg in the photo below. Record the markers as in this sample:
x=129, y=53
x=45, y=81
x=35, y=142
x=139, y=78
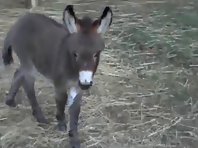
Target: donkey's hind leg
x=28, y=85
x=16, y=83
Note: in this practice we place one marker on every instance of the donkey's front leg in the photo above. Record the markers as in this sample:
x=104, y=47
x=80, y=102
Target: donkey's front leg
x=61, y=99
x=74, y=102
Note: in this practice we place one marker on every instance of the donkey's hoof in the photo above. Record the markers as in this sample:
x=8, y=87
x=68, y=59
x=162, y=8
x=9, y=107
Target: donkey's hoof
x=74, y=143
x=74, y=140
x=77, y=145
x=42, y=120
x=61, y=126
x=37, y=113
x=10, y=103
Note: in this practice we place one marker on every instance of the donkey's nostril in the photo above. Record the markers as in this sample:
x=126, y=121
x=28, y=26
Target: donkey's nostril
x=91, y=83
x=85, y=86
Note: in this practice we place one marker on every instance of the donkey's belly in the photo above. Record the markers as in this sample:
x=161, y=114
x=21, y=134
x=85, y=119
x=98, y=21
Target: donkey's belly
x=43, y=67
x=38, y=72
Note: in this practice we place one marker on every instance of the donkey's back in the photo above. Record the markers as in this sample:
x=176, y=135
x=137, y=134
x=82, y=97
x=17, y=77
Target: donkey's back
x=35, y=39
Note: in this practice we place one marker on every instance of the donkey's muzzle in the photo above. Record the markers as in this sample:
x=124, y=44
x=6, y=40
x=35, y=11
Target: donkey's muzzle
x=85, y=79
x=85, y=86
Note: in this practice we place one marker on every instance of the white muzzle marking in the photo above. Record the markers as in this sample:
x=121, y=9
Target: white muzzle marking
x=85, y=77
x=73, y=92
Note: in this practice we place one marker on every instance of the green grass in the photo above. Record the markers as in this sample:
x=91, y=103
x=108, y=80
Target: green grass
x=171, y=31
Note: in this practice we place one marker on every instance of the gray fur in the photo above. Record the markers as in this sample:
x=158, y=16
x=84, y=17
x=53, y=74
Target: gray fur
x=49, y=47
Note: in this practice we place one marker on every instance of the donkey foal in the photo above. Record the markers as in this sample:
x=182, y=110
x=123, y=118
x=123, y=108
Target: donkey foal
x=68, y=54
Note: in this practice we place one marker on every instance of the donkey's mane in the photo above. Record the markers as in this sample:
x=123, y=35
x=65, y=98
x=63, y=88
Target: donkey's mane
x=86, y=23
x=49, y=19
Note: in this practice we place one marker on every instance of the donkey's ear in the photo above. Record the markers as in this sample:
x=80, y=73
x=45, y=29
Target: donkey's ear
x=104, y=22
x=70, y=19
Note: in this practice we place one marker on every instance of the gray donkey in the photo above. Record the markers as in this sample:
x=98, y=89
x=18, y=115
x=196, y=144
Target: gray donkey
x=67, y=54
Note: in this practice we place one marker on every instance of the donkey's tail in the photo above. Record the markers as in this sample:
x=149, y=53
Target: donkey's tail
x=7, y=52
x=7, y=56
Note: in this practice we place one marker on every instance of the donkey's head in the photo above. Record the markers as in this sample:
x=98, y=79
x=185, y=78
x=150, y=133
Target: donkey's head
x=86, y=42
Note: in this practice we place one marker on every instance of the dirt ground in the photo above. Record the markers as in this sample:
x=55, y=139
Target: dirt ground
x=141, y=97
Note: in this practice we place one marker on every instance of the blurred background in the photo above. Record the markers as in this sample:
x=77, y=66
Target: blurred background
x=146, y=91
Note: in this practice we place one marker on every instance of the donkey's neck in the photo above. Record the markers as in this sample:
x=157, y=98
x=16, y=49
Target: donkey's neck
x=63, y=67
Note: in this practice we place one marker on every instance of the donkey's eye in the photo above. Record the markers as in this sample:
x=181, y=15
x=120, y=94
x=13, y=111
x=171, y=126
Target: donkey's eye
x=75, y=55
x=95, y=56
